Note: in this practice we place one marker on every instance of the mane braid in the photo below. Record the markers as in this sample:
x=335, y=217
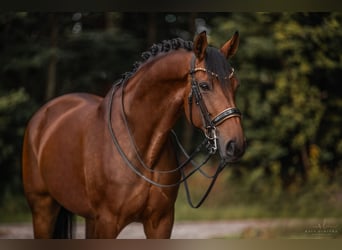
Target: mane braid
x=155, y=49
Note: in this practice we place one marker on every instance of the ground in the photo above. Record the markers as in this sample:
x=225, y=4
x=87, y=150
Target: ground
x=264, y=229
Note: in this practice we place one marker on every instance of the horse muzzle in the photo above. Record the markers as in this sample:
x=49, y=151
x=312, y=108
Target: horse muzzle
x=232, y=150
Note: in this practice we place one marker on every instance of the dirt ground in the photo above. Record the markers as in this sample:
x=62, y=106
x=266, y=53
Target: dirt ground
x=264, y=229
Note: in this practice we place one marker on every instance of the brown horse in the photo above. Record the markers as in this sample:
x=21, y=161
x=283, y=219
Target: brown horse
x=110, y=160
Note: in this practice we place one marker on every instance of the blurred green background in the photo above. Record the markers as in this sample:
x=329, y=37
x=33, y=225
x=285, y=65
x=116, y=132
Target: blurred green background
x=290, y=69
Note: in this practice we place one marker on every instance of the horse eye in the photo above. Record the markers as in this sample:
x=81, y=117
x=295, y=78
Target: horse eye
x=204, y=86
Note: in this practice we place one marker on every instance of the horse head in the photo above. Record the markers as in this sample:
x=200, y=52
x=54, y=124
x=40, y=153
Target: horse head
x=210, y=99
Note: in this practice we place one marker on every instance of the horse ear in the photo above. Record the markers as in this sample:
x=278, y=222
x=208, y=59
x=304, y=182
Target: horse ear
x=200, y=45
x=230, y=47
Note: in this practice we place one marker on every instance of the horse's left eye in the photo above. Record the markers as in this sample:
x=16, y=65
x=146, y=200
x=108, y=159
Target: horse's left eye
x=204, y=86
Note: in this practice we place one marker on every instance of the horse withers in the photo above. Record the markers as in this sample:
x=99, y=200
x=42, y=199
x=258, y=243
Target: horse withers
x=112, y=160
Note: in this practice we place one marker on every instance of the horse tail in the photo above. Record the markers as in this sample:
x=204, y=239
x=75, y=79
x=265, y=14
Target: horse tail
x=64, y=225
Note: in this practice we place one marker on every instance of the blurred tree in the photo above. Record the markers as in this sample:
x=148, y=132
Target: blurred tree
x=289, y=65
x=51, y=76
x=15, y=108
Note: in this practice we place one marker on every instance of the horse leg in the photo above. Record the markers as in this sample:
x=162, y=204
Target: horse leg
x=44, y=214
x=90, y=228
x=157, y=227
x=102, y=228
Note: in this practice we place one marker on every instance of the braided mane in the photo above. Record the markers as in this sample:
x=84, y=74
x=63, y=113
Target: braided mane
x=155, y=49
x=215, y=61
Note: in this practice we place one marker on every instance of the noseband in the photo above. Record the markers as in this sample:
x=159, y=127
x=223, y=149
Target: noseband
x=209, y=123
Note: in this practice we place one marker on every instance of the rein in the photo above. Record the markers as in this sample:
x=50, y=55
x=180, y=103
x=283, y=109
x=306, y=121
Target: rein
x=131, y=165
x=210, y=140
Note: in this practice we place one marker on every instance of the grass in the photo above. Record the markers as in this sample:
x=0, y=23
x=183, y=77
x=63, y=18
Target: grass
x=14, y=209
x=256, y=197
x=185, y=212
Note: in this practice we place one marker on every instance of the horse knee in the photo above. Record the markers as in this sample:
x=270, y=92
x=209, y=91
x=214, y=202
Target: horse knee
x=159, y=229
x=102, y=228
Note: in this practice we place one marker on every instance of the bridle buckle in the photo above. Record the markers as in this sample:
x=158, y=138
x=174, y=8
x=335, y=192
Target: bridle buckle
x=212, y=139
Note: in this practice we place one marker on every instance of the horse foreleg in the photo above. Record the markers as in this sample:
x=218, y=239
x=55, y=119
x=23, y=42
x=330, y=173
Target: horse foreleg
x=160, y=227
x=102, y=229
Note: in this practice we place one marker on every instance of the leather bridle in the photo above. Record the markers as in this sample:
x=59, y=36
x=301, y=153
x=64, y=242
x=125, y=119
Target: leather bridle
x=210, y=140
x=209, y=123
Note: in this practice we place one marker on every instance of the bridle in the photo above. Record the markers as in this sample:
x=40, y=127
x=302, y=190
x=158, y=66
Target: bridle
x=210, y=140
x=209, y=123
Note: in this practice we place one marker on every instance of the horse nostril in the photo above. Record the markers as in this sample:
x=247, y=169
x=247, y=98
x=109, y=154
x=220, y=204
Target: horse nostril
x=231, y=148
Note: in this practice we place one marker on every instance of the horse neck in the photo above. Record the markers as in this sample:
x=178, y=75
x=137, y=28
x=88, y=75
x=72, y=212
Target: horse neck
x=153, y=101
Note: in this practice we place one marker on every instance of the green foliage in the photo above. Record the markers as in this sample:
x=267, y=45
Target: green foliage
x=258, y=193
x=15, y=109
x=91, y=60
x=289, y=66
